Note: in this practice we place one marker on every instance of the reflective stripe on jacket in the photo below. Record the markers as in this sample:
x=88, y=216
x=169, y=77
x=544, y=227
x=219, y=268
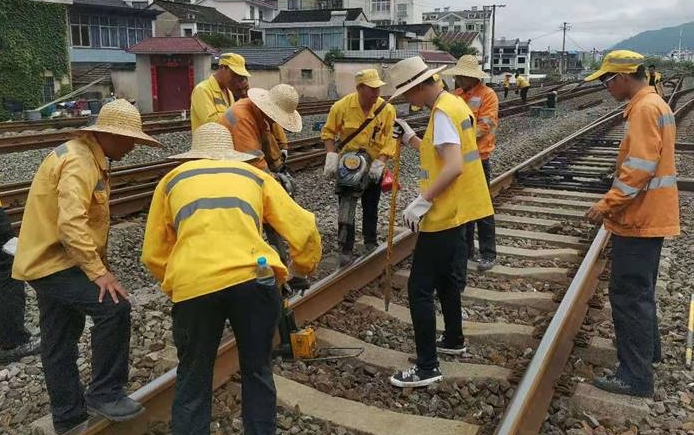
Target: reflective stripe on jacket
x=346, y=116
x=205, y=228
x=66, y=216
x=207, y=102
x=643, y=200
x=467, y=198
x=484, y=104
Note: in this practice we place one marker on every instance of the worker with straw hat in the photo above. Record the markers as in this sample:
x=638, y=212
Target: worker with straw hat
x=203, y=242
x=484, y=104
x=640, y=210
x=62, y=254
x=211, y=97
x=453, y=192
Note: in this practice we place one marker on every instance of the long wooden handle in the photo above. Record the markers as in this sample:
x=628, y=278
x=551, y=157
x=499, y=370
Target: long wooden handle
x=388, y=289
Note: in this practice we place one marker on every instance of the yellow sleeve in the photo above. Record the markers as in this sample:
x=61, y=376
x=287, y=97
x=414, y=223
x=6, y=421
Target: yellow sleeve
x=333, y=123
x=280, y=136
x=160, y=236
x=202, y=107
x=76, y=184
x=385, y=137
x=296, y=225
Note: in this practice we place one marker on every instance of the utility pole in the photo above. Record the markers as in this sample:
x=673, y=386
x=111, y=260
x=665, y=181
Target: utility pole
x=491, y=57
x=564, y=27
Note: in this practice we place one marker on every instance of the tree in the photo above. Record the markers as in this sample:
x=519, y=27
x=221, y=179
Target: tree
x=218, y=40
x=331, y=55
x=456, y=49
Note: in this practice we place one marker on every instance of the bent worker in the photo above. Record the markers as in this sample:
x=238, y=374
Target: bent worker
x=363, y=121
x=640, y=209
x=15, y=341
x=655, y=80
x=484, y=104
x=522, y=85
x=219, y=197
x=212, y=97
x=62, y=254
x=506, y=84
x=453, y=192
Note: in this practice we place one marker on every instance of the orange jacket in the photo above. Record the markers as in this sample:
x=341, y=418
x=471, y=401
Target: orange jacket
x=252, y=133
x=643, y=200
x=484, y=104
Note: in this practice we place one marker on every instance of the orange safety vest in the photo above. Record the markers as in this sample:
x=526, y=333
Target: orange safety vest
x=484, y=104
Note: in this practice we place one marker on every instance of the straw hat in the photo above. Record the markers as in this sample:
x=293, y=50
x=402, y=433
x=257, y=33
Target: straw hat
x=369, y=77
x=121, y=118
x=213, y=141
x=466, y=66
x=408, y=73
x=279, y=103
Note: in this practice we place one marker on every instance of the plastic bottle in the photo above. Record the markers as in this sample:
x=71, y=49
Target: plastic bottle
x=265, y=274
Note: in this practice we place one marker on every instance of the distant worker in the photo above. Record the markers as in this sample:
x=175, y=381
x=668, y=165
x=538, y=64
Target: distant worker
x=15, y=341
x=484, y=104
x=639, y=210
x=522, y=85
x=655, y=80
x=212, y=97
x=506, y=84
x=62, y=254
x=364, y=137
x=452, y=192
x=204, y=243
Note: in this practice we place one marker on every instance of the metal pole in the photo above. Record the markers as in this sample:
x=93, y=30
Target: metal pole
x=491, y=54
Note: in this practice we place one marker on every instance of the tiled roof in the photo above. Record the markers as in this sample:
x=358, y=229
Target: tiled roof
x=418, y=29
x=112, y=5
x=265, y=58
x=189, y=13
x=466, y=37
x=314, y=15
x=437, y=56
x=511, y=43
x=172, y=45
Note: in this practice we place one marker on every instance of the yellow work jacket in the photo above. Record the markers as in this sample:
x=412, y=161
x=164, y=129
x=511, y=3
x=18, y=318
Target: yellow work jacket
x=467, y=198
x=66, y=216
x=643, y=200
x=208, y=102
x=484, y=104
x=522, y=82
x=346, y=116
x=204, y=230
x=506, y=83
x=657, y=82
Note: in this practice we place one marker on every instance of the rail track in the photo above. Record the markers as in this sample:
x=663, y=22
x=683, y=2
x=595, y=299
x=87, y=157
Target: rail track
x=550, y=262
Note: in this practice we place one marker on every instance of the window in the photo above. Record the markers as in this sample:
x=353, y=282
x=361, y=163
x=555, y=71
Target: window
x=187, y=32
x=252, y=12
x=293, y=5
x=48, y=89
x=506, y=61
x=456, y=28
x=380, y=5
x=444, y=29
x=139, y=4
x=496, y=61
x=307, y=74
x=402, y=10
x=469, y=27
x=260, y=15
x=79, y=30
x=521, y=60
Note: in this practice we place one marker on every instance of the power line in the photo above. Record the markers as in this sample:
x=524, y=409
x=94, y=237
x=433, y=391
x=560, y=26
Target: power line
x=576, y=43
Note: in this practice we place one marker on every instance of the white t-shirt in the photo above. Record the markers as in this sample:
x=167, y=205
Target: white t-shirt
x=444, y=130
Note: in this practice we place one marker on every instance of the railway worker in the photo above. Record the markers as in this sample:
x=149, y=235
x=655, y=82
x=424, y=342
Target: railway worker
x=212, y=97
x=484, y=104
x=522, y=85
x=453, y=192
x=62, y=254
x=655, y=80
x=639, y=210
x=356, y=113
x=15, y=341
x=218, y=190
x=506, y=84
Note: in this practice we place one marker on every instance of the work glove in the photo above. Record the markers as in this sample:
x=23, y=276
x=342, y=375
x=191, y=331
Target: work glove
x=402, y=130
x=297, y=281
x=376, y=170
x=285, y=154
x=330, y=168
x=414, y=212
x=5, y=227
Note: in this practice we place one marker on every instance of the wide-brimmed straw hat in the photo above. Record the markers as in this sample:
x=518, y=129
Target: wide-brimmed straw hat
x=121, y=118
x=213, y=141
x=408, y=73
x=279, y=103
x=466, y=66
x=618, y=61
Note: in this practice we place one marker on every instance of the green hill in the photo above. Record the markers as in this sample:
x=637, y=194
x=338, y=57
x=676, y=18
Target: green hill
x=659, y=41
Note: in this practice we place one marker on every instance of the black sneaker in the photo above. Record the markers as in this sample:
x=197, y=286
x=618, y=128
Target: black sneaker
x=122, y=409
x=613, y=384
x=66, y=426
x=345, y=258
x=443, y=345
x=485, y=263
x=14, y=354
x=416, y=377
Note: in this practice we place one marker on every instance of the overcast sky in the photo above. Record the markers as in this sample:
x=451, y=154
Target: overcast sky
x=594, y=23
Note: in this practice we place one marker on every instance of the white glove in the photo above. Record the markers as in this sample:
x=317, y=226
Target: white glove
x=330, y=167
x=376, y=170
x=401, y=129
x=414, y=212
x=285, y=154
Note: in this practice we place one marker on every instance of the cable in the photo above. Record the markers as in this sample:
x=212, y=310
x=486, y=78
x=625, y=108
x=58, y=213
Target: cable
x=575, y=43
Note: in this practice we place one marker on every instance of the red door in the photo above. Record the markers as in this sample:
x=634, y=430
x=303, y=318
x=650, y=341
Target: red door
x=174, y=88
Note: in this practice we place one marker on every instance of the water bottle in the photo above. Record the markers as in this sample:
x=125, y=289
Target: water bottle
x=265, y=274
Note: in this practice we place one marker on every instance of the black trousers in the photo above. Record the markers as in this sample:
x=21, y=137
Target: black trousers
x=369, y=204
x=253, y=312
x=64, y=299
x=485, y=227
x=505, y=93
x=635, y=263
x=524, y=94
x=12, y=330
x=439, y=263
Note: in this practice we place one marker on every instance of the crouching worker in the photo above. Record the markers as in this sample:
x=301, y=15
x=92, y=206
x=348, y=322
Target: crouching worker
x=62, y=254
x=204, y=243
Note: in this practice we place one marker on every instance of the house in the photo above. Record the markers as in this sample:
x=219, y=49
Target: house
x=182, y=19
x=470, y=20
x=511, y=55
x=296, y=66
x=470, y=38
x=244, y=11
x=416, y=36
x=550, y=61
x=379, y=12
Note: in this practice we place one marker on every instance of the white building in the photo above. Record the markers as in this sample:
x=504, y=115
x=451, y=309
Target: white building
x=244, y=11
x=511, y=55
x=379, y=12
